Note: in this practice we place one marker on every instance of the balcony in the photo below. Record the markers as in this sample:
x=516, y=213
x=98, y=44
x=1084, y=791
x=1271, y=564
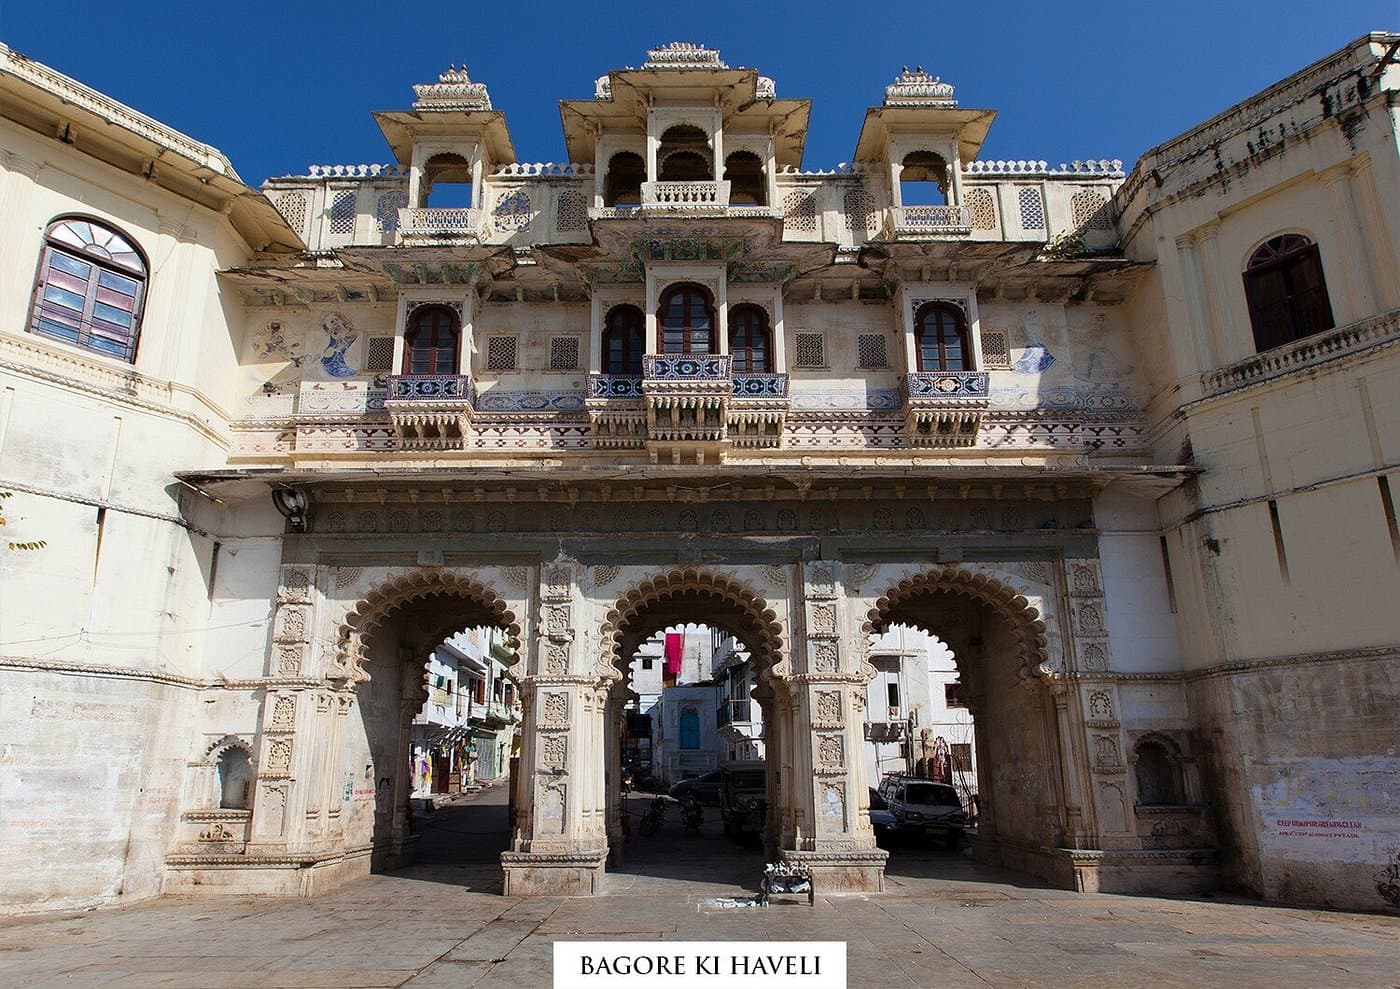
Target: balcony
x=687, y=404
x=758, y=410
x=1307, y=352
x=709, y=197
x=944, y=408
x=431, y=411
x=921, y=222
x=439, y=225
x=615, y=409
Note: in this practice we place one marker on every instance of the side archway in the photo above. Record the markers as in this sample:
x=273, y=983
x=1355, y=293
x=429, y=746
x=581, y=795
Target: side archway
x=1007, y=663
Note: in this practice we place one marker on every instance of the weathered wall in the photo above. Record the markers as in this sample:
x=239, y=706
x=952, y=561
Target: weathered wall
x=1303, y=761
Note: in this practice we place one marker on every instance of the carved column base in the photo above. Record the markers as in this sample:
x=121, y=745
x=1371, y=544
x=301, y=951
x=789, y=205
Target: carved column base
x=839, y=873
x=554, y=873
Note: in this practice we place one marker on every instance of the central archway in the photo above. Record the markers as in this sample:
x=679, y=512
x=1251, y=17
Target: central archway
x=687, y=597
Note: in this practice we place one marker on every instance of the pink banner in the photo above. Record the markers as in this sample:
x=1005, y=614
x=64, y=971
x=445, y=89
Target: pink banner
x=674, y=643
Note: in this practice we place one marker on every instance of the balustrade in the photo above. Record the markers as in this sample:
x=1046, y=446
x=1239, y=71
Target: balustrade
x=439, y=222
x=925, y=220
x=685, y=195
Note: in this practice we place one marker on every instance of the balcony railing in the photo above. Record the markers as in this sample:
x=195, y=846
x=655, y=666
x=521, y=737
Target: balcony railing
x=615, y=386
x=430, y=388
x=701, y=195
x=1310, y=351
x=760, y=386
x=441, y=223
x=686, y=367
x=945, y=385
x=929, y=220
x=732, y=711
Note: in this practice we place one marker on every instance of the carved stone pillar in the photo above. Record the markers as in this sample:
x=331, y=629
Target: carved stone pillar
x=1112, y=824
x=560, y=840
x=287, y=748
x=831, y=829
x=614, y=724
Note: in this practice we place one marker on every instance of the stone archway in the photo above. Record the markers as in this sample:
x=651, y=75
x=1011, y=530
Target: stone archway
x=1009, y=675
x=697, y=596
x=381, y=651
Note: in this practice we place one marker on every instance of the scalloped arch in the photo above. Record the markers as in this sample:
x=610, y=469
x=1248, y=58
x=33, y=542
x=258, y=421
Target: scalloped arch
x=757, y=627
x=1024, y=620
x=217, y=748
x=381, y=603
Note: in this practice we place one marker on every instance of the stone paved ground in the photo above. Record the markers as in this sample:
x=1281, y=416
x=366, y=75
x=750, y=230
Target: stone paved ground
x=945, y=923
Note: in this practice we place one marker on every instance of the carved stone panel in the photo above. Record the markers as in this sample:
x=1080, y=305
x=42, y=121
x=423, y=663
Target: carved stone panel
x=553, y=751
x=556, y=708
x=823, y=619
x=283, y=714
x=828, y=707
x=825, y=657
x=556, y=659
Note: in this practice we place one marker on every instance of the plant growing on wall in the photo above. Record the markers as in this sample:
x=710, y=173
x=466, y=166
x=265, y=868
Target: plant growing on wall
x=28, y=545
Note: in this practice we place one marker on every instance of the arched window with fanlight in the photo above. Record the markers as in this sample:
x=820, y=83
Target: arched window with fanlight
x=750, y=341
x=1286, y=291
x=623, y=341
x=687, y=321
x=91, y=288
x=941, y=338
x=431, y=341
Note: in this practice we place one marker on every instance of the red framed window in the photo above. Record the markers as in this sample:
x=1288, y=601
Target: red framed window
x=940, y=338
x=431, y=341
x=750, y=340
x=687, y=321
x=623, y=341
x=91, y=288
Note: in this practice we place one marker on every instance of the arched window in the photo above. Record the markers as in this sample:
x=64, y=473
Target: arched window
x=1286, y=292
x=684, y=155
x=623, y=341
x=91, y=287
x=690, y=728
x=447, y=182
x=687, y=321
x=750, y=342
x=623, y=185
x=1157, y=775
x=940, y=338
x=235, y=778
x=923, y=179
x=743, y=170
x=430, y=343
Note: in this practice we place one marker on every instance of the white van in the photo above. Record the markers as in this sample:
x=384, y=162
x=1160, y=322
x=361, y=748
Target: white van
x=920, y=804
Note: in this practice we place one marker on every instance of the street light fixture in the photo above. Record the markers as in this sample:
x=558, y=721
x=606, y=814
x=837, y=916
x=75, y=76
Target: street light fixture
x=293, y=504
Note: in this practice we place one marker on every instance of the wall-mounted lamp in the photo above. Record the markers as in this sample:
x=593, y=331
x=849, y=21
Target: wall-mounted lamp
x=292, y=503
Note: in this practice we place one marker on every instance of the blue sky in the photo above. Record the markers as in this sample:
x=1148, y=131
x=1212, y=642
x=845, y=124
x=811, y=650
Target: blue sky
x=281, y=86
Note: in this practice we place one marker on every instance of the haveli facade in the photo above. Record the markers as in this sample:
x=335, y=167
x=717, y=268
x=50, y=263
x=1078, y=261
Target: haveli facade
x=1124, y=442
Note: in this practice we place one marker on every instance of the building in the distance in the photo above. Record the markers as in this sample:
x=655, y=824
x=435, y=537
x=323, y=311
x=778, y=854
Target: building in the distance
x=1124, y=440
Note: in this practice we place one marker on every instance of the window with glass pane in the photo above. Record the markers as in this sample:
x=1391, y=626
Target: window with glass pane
x=623, y=341
x=749, y=340
x=940, y=335
x=1286, y=291
x=687, y=321
x=430, y=345
x=91, y=285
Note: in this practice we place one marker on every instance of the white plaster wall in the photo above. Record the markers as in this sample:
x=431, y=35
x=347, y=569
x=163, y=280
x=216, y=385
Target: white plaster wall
x=1141, y=625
